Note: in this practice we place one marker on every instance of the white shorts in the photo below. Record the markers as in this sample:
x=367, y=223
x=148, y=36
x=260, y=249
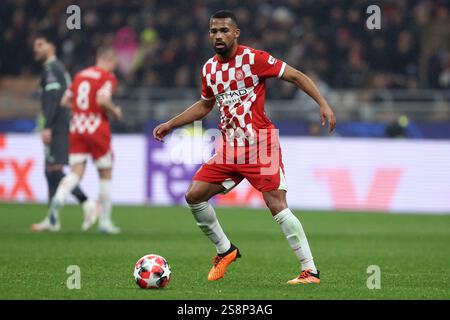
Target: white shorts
x=104, y=162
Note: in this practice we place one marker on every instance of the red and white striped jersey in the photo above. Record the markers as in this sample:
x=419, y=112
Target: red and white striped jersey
x=238, y=85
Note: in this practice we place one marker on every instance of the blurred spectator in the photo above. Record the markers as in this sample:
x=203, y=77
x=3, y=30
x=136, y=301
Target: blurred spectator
x=398, y=128
x=126, y=46
x=444, y=75
x=164, y=43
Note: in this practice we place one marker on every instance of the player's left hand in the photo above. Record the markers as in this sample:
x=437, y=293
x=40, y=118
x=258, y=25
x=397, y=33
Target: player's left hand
x=46, y=136
x=327, y=113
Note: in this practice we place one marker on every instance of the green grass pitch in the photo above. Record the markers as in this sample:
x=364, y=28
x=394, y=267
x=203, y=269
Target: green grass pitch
x=412, y=251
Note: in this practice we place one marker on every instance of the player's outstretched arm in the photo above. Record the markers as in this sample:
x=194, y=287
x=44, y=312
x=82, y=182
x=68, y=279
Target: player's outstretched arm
x=195, y=112
x=303, y=82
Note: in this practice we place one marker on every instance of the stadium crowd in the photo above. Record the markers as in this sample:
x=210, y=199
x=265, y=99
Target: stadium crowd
x=164, y=43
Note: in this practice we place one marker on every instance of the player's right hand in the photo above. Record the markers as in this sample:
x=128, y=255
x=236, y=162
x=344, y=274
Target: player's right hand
x=327, y=113
x=161, y=131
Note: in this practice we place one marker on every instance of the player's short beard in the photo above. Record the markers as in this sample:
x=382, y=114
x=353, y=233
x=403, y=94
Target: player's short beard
x=222, y=51
x=40, y=58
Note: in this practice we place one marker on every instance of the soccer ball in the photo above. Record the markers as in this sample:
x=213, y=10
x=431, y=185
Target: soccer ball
x=152, y=272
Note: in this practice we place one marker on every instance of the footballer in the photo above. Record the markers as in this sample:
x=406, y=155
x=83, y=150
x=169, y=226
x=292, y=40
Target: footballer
x=235, y=79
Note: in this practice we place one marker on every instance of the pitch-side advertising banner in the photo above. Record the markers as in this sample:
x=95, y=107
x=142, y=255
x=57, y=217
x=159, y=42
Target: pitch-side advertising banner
x=321, y=173
x=22, y=177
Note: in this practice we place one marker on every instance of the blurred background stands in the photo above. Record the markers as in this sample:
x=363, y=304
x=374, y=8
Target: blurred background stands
x=371, y=77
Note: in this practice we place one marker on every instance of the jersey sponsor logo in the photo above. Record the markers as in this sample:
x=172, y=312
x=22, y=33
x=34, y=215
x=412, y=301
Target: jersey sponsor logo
x=232, y=97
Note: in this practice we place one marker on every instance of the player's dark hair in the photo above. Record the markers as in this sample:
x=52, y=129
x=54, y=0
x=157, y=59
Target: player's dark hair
x=223, y=14
x=47, y=36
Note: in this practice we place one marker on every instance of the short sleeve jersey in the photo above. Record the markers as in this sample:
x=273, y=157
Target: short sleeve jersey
x=238, y=86
x=89, y=117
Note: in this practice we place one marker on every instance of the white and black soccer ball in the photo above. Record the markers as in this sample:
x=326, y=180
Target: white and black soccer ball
x=152, y=272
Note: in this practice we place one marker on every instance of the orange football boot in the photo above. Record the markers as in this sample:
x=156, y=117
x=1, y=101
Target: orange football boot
x=306, y=277
x=220, y=264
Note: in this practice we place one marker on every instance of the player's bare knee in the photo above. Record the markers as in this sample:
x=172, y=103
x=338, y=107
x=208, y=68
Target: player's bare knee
x=276, y=206
x=105, y=174
x=275, y=203
x=193, y=196
x=78, y=169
